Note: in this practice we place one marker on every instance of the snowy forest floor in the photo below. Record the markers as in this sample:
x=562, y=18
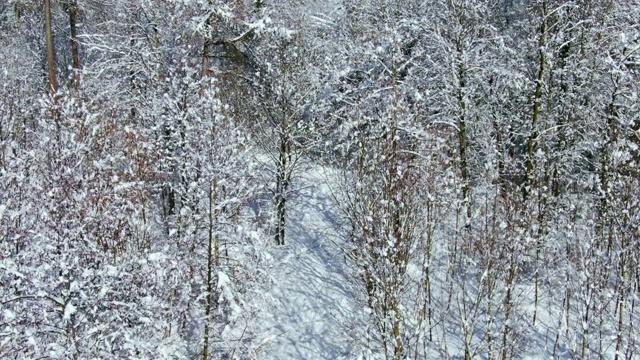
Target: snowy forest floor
x=314, y=300
x=314, y=310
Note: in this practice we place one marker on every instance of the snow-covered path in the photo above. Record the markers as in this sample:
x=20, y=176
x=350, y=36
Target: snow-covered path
x=312, y=294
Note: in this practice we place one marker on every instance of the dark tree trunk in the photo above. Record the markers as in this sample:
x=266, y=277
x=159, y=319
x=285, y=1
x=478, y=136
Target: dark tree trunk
x=51, y=64
x=282, y=185
x=73, y=20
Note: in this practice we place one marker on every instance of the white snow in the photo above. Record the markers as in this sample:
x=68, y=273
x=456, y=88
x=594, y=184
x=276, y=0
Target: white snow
x=69, y=310
x=313, y=297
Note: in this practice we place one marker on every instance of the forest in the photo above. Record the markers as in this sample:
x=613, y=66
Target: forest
x=320, y=179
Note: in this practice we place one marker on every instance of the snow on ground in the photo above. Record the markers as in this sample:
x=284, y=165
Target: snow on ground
x=314, y=299
x=313, y=311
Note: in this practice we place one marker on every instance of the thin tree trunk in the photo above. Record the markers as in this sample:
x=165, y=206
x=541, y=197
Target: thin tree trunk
x=282, y=184
x=585, y=321
x=532, y=141
x=621, y=303
x=399, y=346
x=607, y=168
x=206, y=61
x=133, y=87
x=506, y=332
x=212, y=198
x=501, y=160
x=73, y=20
x=51, y=64
x=462, y=135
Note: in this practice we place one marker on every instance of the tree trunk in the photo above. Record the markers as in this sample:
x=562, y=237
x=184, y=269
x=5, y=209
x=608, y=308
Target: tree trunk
x=51, y=64
x=462, y=134
x=213, y=195
x=73, y=20
x=206, y=61
x=532, y=141
x=282, y=185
